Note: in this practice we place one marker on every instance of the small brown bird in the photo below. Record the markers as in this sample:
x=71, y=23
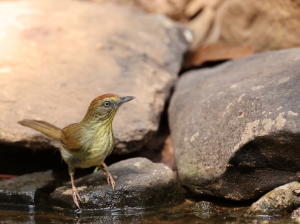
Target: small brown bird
x=88, y=142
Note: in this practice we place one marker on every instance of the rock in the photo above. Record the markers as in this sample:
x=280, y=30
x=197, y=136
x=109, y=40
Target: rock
x=139, y=184
x=241, y=23
x=235, y=128
x=167, y=154
x=171, y=8
x=297, y=220
x=59, y=57
x=279, y=201
x=258, y=24
x=215, y=52
x=296, y=214
x=157, y=153
x=204, y=209
x=27, y=191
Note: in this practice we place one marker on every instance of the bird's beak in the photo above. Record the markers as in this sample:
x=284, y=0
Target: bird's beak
x=124, y=99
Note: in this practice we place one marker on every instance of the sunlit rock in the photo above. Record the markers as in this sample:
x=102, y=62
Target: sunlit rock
x=56, y=58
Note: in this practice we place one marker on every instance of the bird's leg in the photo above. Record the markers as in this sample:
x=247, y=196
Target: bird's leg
x=74, y=190
x=97, y=167
x=109, y=178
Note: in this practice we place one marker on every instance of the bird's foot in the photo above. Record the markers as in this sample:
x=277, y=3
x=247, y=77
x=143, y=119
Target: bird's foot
x=109, y=179
x=108, y=176
x=75, y=196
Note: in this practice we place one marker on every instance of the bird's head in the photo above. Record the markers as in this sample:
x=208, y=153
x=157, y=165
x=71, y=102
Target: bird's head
x=104, y=107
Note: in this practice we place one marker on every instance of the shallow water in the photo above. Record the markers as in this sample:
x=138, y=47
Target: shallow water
x=186, y=213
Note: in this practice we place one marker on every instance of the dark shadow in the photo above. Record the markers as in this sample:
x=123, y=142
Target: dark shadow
x=16, y=160
x=262, y=165
x=210, y=64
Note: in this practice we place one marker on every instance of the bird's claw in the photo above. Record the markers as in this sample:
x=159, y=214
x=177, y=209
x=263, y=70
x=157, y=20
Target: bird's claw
x=110, y=180
x=75, y=196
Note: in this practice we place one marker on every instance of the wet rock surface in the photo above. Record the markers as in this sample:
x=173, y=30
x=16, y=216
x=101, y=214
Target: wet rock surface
x=279, y=201
x=204, y=209
x=140, y=184
x=28, y=191
x=235, y=128
x=59, y=57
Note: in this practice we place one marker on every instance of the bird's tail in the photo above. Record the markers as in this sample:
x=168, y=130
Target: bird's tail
x=44, y=127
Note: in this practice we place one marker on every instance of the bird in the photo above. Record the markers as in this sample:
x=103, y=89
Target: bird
x=87, y=143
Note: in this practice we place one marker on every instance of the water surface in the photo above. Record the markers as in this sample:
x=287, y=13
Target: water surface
x=186, y=213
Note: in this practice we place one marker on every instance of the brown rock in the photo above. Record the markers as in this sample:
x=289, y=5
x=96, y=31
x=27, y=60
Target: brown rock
x=279, y=201
x=262, y=24
x=56, y=58
x=297, y=220
x=172, y=8
x=235, y=128
x=167, y=154
x=216, y=52
x=202, y=14
x=128, y=3
x=296, y=214
x=195, y=6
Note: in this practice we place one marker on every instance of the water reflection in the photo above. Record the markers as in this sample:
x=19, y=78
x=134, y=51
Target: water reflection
x=188, y=212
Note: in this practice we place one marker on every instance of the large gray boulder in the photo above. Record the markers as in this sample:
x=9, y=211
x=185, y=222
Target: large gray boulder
x=27, y=191
x=235, y=128
x=140, y=184
x=56, y=58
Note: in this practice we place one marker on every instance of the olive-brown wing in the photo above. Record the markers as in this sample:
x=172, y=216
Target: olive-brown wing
x=70, y=137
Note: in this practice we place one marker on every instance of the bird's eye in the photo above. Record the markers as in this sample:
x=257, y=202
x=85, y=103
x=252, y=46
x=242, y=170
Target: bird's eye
x=106, y=104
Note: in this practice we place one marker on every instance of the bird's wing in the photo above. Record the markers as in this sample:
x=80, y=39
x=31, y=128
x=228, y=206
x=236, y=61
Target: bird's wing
x=70, y=137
